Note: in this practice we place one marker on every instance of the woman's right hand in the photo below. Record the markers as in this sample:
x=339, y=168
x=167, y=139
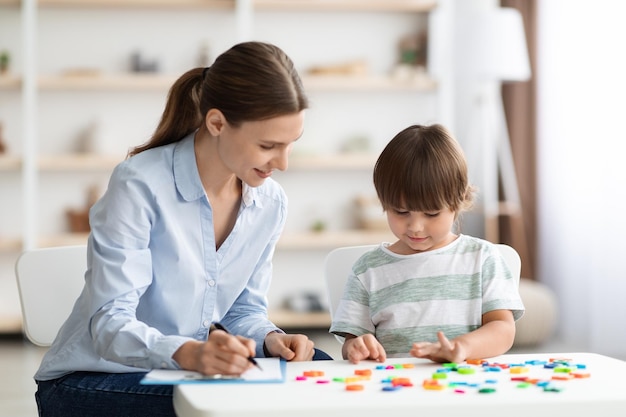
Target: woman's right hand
x=222, y=353
x=357, y=348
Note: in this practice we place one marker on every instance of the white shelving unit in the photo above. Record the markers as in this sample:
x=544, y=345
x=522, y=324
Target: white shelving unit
x=46, y=176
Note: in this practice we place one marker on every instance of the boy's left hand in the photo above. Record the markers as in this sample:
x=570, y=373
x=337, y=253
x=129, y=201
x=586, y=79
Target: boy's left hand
x=444, y=350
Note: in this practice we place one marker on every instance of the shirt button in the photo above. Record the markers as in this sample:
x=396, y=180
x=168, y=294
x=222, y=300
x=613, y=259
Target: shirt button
x=163, y=365
x=205, y=323
x=212, y=283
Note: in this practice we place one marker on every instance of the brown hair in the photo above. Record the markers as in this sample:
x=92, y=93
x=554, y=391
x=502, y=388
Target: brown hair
x=423, y=168
x=249, y=82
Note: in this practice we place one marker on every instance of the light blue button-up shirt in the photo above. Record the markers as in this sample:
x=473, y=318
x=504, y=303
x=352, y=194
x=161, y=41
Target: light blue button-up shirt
x=155, y=280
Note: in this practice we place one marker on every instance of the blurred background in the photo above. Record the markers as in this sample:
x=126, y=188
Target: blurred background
x=533, y=96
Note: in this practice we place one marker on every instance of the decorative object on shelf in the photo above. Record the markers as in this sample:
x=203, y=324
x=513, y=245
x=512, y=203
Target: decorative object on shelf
x=305, y=302
x=78, y=219
x=94, y=138
x=88, y=138
x=5, y=61
x=357, y=67
x=412, y=57
x=413, y=49
x=318, y=226
x=409, y=73
x=357, y=143
x=3, y=145
x=141, y=64
x=204, y=55
x=370, y=213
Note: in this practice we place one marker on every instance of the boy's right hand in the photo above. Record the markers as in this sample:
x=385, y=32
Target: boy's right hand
x=357, y=348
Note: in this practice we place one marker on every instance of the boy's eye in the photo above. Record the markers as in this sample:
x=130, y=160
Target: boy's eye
x=400, y=212
x=267, y=147
x=432, y=214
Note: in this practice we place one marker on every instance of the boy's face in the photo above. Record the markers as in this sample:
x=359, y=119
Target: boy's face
x=419, y=231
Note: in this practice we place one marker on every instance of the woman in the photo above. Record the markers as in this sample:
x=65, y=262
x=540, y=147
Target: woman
x=182, y=238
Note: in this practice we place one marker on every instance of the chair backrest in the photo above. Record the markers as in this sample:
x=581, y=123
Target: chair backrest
x=338, y=265
x=337, y=268
x=49, y=280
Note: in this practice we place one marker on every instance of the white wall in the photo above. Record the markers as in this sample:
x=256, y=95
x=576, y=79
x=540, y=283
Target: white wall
x=582, y=169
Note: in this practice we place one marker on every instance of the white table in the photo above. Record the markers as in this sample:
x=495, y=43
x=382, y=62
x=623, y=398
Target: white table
x=602, y=393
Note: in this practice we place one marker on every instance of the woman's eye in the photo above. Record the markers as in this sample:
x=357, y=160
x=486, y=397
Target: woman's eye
x=267, y=147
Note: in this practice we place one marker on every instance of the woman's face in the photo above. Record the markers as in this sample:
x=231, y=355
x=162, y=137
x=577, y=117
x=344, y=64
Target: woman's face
x=254, y=150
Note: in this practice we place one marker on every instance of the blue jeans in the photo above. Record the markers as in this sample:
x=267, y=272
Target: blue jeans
x=96, y=394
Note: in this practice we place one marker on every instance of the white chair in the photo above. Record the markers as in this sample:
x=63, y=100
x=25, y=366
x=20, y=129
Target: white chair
x=49, y=281
x=338, y=265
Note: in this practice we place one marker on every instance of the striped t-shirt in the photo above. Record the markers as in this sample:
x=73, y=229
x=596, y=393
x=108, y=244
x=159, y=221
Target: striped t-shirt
x=403, y=299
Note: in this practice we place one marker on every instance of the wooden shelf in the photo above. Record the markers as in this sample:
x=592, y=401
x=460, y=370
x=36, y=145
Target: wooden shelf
x=78, y=162
x=10, y=324
x=287, y=319
x=347, y=161
x=64, y=163
x=107, y=82
x=332, y=239
x=10, y=163
x=10, y=82
x=419, y=83
x=127, y=4
x=8, y=244
x=95, y=162
x=67, y=239
x=293, y=5
x=158, y=82
x=293, y=241
x=348, y=5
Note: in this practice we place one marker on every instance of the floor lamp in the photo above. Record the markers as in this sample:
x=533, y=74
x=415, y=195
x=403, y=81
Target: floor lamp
x=491, y=49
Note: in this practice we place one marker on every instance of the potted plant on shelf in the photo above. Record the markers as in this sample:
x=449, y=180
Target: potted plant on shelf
x=5, y=59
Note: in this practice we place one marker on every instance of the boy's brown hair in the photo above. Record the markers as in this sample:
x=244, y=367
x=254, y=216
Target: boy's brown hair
x=423, y=168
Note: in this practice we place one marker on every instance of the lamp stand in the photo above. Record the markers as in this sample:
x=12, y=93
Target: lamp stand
x=498, y=169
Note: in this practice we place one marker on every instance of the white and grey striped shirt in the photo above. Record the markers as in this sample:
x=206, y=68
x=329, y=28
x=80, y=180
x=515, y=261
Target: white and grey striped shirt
x=403, y=299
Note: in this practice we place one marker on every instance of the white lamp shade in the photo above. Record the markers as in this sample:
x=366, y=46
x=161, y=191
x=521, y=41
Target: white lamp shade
x=491, y=46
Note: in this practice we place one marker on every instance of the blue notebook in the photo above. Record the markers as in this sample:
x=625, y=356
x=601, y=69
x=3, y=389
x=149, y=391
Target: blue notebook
x=273, y=371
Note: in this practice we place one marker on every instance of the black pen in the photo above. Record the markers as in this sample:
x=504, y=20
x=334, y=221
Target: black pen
x=221, y=327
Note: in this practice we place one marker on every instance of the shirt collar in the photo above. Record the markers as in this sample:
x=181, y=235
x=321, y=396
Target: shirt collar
x=185, y=169
x=187, y=177
x=247, y=194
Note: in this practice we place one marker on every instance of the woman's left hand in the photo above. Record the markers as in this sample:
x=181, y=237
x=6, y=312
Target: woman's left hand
x=292, y=347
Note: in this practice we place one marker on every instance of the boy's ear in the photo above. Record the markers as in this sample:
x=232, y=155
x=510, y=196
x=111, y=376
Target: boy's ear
x=215, y=122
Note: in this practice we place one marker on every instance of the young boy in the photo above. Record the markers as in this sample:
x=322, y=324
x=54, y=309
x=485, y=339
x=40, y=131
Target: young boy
x=433, y=293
